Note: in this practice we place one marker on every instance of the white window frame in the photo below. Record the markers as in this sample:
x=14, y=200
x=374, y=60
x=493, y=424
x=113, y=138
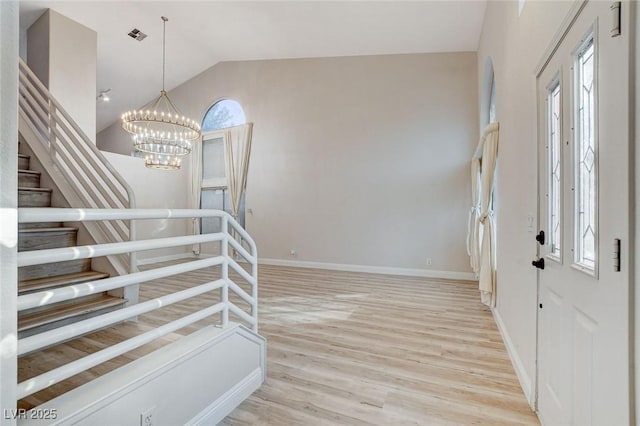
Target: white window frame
x=556, y=83
x=589, y=37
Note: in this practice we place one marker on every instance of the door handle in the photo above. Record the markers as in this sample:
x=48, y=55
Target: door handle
x=538, y=263
x=540, y=238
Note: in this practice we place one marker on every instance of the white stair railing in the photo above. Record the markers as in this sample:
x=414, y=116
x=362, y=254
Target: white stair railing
x=224, y=283
x=89, y=175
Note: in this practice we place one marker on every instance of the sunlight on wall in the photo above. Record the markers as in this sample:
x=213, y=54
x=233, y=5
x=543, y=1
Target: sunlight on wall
x=8, y=235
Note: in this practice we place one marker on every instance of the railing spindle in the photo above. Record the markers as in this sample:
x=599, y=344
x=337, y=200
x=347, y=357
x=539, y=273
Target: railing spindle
x=225, y=270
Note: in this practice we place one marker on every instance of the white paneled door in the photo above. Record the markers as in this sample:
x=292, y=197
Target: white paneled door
x=583, y=276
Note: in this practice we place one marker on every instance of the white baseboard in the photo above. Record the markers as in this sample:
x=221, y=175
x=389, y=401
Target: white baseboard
x=518, y=366
x=158, y=259
x=224, y=405
x=386, y=270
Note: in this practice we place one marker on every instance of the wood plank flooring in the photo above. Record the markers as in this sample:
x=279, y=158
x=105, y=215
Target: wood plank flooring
x=356, y=349
x=343, y=348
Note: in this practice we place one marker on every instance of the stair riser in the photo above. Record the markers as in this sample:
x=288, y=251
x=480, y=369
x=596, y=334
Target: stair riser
x=28, y=180
x=46, y=240
x=34, y=199
x=51, y=269
x=23, y=163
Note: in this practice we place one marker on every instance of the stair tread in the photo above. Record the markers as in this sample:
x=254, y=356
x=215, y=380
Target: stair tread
x=56, y=229
x=59, y=280
x=40, y=225
x=26, y=188
x=30, y=172
x=67, y=310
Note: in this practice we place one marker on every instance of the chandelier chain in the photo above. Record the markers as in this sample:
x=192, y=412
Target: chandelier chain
x=164, y=47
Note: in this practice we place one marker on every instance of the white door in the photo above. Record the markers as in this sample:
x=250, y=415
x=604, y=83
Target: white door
x=583, y=316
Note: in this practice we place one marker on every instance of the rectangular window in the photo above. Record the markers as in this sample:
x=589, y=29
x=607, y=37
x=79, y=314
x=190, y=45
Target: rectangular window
x=213, y=171
x=554, y=168
x=586, y=230
x=214, y=193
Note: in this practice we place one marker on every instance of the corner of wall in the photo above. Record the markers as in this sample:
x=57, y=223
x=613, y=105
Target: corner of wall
x=525, y=381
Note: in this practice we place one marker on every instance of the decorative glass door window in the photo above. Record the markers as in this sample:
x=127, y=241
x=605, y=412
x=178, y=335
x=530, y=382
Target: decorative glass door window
x=554, y=168
x=585, y=156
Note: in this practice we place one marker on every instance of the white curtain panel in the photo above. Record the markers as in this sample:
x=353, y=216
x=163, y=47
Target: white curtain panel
x=237, y=150
x=473, y=227
x=487, y=219
x=195, y=187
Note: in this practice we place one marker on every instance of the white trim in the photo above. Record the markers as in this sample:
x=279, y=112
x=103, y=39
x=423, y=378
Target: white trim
x=75, y=406
x=560, y=34
x=518, y=366
x=385, y=270
x=224, y=405
x=158, y=259
x=8, y=203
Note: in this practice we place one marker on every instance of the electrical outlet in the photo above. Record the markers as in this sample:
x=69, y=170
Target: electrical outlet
x=429, y=262
x=147, y=417
x=293, y=252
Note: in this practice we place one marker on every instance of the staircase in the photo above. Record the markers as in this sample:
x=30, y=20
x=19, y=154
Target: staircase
x=47, y=235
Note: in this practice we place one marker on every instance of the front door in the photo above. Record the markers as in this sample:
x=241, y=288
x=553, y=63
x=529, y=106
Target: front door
x=583, y=316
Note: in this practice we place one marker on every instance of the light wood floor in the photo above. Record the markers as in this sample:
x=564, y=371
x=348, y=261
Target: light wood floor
x=343, y=348
x=355, y=349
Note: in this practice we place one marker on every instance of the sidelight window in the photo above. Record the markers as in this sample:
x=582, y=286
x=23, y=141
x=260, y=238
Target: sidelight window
x=585, y=156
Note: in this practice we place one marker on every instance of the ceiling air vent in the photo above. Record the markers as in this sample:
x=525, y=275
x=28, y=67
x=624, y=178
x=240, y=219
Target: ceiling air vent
x=136, y=34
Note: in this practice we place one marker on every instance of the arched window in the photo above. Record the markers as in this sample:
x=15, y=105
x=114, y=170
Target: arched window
x=223, y=114
x=214, y=195
x=492, y=100
x=488, y=95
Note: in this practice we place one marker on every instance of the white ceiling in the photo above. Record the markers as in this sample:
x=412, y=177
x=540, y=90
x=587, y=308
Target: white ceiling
x=203, y=33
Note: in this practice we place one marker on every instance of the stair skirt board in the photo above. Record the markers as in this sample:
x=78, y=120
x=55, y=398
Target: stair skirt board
x=196, y=380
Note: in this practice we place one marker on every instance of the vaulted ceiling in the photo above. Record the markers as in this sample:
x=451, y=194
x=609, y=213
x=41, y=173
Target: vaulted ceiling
x=203, y=33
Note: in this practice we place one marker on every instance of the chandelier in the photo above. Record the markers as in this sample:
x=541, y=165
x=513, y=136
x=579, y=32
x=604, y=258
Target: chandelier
x=159, y=129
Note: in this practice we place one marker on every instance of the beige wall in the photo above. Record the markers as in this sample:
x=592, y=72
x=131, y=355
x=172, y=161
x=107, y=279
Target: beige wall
x=516, y=44
x=356, y=160
x=154, y=189
x=635, y=45
x=63, y=54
